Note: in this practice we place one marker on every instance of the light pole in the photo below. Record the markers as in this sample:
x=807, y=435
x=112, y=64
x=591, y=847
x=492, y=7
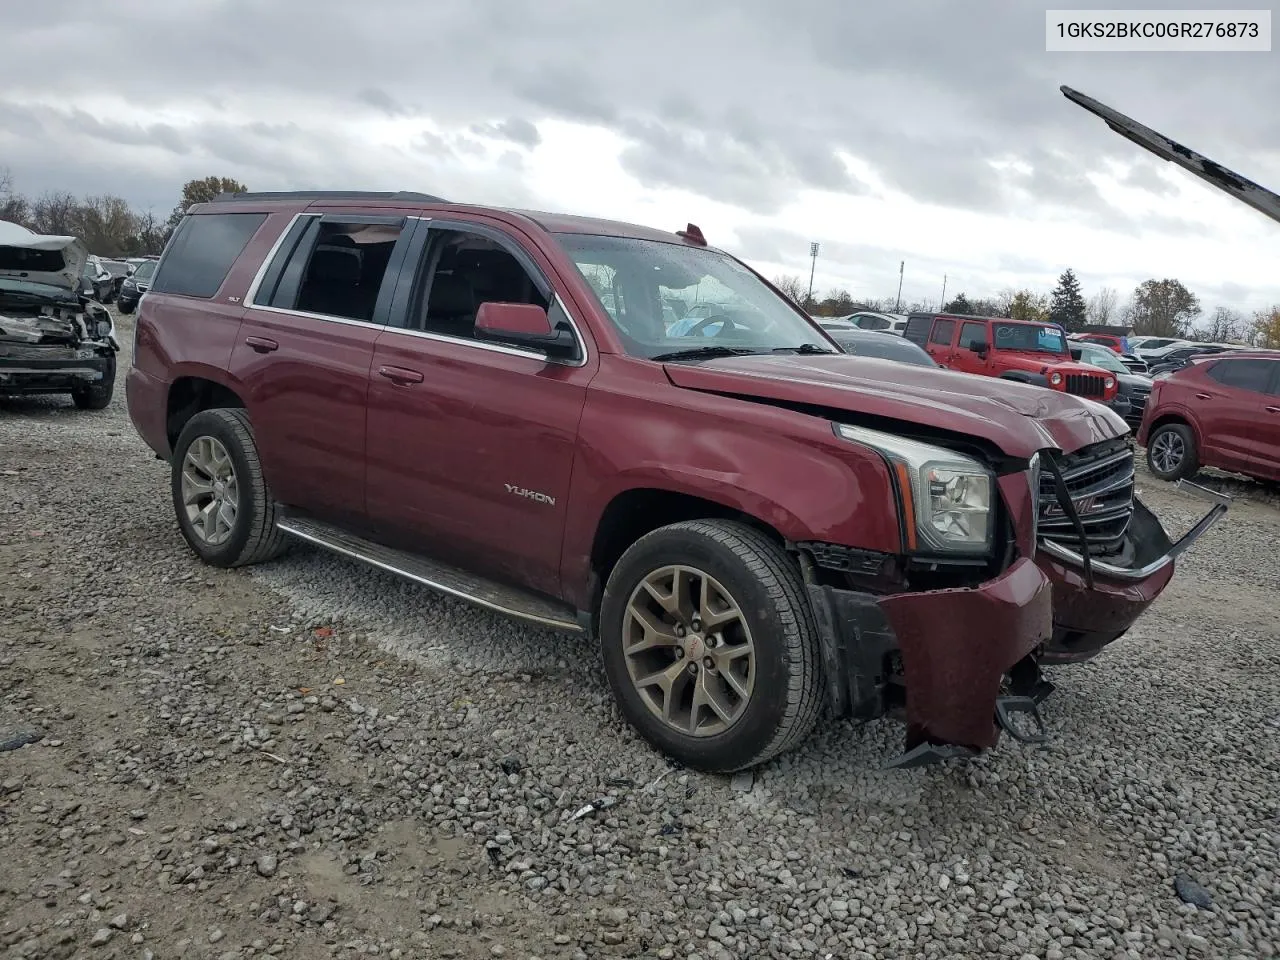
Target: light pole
x=813, y=254
x=897, y=306
x=943, y=305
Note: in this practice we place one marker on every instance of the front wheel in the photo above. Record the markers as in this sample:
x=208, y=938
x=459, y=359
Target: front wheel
x=710, y=646
x=224, y=509
x=1171, y=452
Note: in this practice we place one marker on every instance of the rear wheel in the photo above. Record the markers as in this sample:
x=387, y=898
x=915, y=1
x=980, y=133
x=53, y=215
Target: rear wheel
x=710, y=646
x=224, y=509
x=1171, y=452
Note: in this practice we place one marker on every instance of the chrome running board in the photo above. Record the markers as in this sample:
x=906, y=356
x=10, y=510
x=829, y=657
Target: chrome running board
x=509, y=601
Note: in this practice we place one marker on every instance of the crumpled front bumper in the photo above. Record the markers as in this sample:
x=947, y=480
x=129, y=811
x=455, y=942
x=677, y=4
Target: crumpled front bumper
x=51, y=370
x=958, y=647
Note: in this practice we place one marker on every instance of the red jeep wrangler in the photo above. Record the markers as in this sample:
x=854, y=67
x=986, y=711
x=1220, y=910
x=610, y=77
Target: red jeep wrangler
x=1012, y=349
x=758, y=528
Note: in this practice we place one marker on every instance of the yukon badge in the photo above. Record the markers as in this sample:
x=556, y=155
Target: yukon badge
x=531, y=494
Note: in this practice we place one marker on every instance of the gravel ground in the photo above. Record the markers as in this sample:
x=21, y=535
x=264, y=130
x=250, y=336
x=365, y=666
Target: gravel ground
x=315, y=759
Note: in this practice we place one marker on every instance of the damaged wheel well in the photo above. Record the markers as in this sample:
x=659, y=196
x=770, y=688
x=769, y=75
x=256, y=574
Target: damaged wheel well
x=1167, y=419
x=190, y=395
x=633, y=513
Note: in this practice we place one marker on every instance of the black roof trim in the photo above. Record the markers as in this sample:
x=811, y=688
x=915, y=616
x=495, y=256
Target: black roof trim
x=408, y=195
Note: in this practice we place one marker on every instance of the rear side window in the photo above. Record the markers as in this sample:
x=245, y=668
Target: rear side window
x=332, y=266
x=942, y=331
x=972, y=333
x=202, y=252
x=1254, y=375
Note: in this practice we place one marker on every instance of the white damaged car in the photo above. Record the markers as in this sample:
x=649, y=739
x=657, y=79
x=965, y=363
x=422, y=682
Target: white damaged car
x=53, y=338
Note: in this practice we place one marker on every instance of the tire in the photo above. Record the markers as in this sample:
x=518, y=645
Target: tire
x=251, y=536
x=784, y=693
x=120, y=305
x=97, y=396
x=1172, y=453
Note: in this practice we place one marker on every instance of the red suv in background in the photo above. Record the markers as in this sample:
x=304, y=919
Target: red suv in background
x=1019, y=350
x=1222, y=411
x=759, y=529
x=1119, y=344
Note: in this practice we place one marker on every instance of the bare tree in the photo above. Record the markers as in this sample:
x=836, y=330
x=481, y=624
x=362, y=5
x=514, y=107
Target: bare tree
x=792, y=286
x=1264, y=330
x=1224, y=326
x=56, y=214
x=13, y=206
x=1104, y=308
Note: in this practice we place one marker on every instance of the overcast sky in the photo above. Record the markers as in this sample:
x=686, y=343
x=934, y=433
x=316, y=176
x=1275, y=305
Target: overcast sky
x=930, y=132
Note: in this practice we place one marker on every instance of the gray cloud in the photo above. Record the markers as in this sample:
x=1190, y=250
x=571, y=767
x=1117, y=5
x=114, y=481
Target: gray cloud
x=744, y=101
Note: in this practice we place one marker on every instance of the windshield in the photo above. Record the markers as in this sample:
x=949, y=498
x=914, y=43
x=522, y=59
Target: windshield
x=1030, y=337
x=1102, y=357
x=715, y=301
x=144, y=270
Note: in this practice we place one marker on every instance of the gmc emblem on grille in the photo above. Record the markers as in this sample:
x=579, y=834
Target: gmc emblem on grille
x=1083, y=505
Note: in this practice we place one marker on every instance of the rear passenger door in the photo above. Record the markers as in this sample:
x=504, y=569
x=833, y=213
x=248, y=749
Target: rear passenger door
x=941, y=342
x=1230, y=404
x=472, y=441
x=304, y=352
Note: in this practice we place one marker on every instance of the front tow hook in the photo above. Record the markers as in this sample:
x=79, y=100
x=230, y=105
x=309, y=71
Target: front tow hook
x=1015, y=714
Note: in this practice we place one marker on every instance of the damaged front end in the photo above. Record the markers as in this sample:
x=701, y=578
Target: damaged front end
x=52, y=344
x=953, y=645
x=52, y=338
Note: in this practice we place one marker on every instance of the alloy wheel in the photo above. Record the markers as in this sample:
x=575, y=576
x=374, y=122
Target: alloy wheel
x=210, y=491
x=689, y=651
x=1167, y=451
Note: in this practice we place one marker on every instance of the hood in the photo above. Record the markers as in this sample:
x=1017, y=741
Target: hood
x=54, y=261
x=1016, y=418
x=1029, y=360
x=1132, y=381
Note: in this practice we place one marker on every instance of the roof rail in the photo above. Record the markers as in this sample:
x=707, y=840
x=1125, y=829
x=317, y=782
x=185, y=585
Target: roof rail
x=408, y=195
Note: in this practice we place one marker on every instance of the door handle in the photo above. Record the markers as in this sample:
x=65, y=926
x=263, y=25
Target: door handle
x=1204, y=396
x=262, y=344
x=400, y=375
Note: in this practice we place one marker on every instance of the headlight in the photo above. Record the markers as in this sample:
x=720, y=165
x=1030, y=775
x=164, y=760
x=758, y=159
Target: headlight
x=1033, y=481
x=1055, y=378
x=1109, y=382
x=947, y=498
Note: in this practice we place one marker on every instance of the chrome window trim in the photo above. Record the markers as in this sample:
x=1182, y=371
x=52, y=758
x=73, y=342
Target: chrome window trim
x=252, y=292
x=507, y=349
x=303, y=314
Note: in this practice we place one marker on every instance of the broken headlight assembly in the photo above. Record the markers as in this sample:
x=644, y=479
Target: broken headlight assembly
x=947, y=499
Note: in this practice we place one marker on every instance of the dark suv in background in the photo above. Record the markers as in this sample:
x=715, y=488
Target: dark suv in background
x=760, y=529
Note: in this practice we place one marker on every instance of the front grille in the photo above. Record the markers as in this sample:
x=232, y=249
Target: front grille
x=1138, y=403
x=1099, y=480
x=1086, y=385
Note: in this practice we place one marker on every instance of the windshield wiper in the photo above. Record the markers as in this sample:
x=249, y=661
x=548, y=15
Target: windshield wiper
x=705, y=353
x=805, y=348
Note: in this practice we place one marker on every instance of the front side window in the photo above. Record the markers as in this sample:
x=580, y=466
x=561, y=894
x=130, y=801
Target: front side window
x=1029, y=337
x=942, y=331
x=463, y=270
x=724, y=303
x=972, y=334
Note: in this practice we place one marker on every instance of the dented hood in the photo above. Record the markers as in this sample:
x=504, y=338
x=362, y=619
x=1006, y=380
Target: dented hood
x=1017, y=418
x=32, y=257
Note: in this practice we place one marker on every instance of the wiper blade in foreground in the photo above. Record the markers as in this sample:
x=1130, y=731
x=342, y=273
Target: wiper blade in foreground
x=805, y=348
x=705, y=353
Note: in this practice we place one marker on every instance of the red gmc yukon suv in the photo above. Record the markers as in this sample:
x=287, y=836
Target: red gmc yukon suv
x=759, y=529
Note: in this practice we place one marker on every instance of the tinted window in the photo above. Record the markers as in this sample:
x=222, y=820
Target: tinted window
x=971, y=333
x=866, y=321
x=917, y=329
x=942, y=331
x=1252, y=375
x=465, y=270
x=202, y=252
x=334, y=268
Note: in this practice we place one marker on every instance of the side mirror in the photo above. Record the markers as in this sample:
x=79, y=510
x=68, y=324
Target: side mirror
x=525, y=325
x=979, y=347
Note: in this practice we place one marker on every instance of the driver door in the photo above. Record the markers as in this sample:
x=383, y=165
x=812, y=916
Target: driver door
x=973, y=336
